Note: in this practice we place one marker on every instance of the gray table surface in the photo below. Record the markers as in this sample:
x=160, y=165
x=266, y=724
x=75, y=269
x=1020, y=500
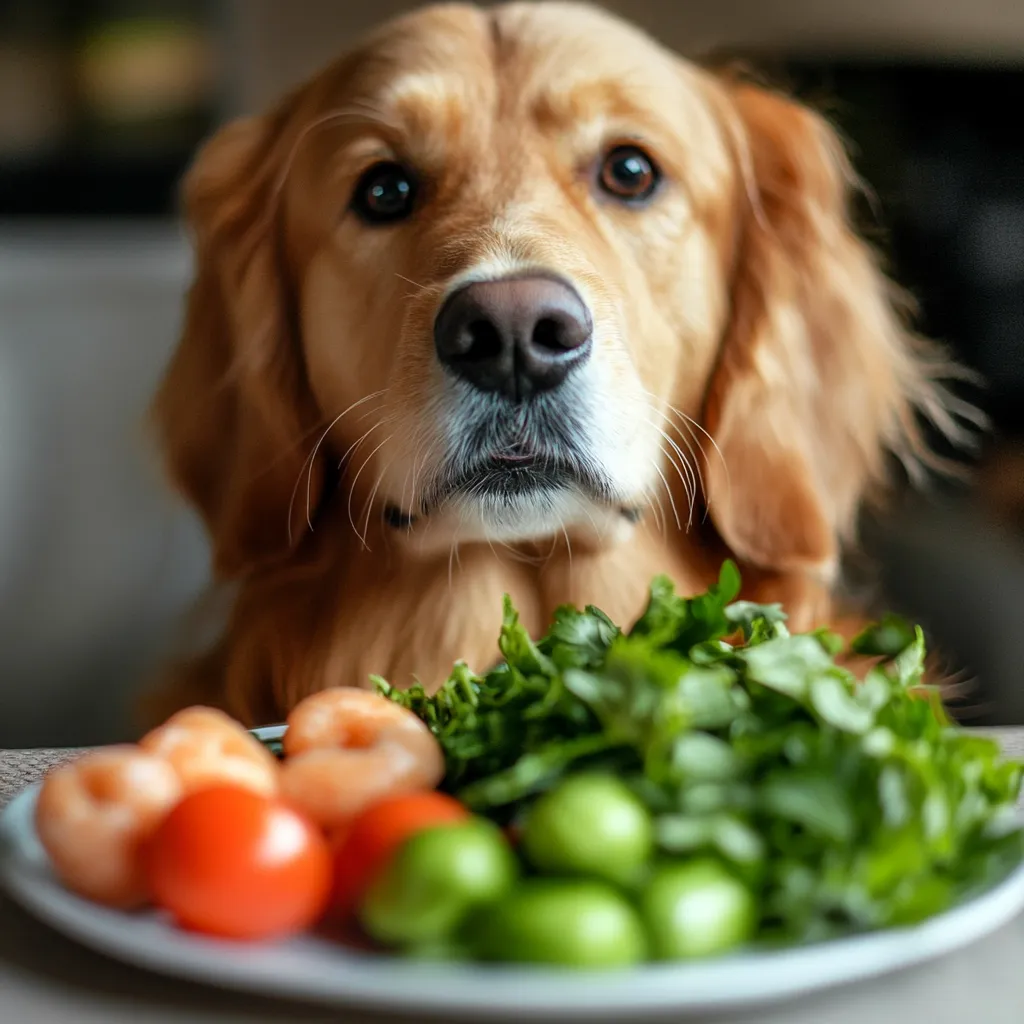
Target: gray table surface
x=45, y=977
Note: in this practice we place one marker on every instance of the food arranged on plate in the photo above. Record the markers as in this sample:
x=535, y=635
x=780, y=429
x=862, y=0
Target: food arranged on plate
x=702, y=782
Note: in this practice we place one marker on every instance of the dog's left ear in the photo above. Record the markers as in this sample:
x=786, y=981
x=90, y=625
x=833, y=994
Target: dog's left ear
x=233, y=412
x=818, y=378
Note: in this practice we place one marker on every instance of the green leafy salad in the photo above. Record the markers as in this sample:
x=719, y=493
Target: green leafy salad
x=835, y=804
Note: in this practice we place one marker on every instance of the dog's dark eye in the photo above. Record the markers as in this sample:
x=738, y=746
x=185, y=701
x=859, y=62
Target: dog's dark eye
x=385, y=193
x=629, y=173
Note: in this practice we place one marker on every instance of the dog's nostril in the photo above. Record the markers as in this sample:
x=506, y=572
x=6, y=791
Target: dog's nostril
x=483, y=341
x=548, y=334
x=516, y=336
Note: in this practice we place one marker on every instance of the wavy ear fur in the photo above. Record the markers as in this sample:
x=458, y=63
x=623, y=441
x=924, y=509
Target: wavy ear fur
x=819, y=380
x=233, y=408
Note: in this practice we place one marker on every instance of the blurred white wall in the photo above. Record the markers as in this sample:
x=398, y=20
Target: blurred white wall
x=96, y=559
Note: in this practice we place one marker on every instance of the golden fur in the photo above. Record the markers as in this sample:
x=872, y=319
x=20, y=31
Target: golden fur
x=740, y=299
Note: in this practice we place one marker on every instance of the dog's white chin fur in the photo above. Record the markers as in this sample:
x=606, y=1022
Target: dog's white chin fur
x=555, y=516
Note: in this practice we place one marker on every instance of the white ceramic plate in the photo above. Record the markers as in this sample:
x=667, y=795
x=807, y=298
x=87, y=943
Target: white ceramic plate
x=267, y=733
x=315, y=969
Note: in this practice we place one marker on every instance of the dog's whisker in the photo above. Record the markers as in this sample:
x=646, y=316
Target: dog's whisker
x=312, y=457
x=690, y=439
x=699, y=457
x=568, y=543
x=415, y=284
x=410, y=471
x=672, y=424
x=671, y=500
x=653, y=501
x=354, y=446
x=311, y=461
x=349, y=454
x=369, y=503
x=401, y=501
x=352, y=488
x=420, y=438
x=693, y=425
x=419, y=461
x=488, y=540
x=690, y=483
x=598, y=532
x=453, y=551
x=687, y=477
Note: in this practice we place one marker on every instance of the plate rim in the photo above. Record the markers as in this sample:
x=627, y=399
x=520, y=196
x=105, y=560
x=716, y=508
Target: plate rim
x=462, y=990
x=269, y=733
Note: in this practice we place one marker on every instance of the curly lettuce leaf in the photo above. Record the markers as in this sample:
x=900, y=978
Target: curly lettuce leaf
x=846, y=803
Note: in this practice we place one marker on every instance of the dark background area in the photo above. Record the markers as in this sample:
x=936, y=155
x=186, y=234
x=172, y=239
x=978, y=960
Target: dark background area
x=935, y=146
x=102, y=103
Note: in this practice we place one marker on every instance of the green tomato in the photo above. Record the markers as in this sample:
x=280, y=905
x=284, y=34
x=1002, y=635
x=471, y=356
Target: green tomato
x=555, y=921
x=436, y=877
x=593, y=825
x=696, y=909
x=446, y=950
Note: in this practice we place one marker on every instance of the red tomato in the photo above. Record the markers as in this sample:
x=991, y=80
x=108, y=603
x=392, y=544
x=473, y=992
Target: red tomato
x=377, y=833
x=232, y=863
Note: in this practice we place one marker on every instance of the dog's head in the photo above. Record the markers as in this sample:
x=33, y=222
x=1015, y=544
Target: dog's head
x=521, y=272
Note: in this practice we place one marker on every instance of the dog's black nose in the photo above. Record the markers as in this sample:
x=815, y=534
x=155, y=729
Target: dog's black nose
x=516, y=335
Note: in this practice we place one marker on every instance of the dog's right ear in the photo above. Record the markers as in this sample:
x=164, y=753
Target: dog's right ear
x=233, y=409
x=819, y=378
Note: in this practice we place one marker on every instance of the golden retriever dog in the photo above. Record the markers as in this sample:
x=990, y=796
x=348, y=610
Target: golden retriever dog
x=515, y=300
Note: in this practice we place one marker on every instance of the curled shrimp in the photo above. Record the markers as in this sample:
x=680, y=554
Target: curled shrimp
x=95, y=815
x=346, y=748
x=207, y=747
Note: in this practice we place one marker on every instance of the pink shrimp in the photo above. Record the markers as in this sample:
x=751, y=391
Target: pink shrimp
x=346, y=748
x=95, y=815
x=207, y=747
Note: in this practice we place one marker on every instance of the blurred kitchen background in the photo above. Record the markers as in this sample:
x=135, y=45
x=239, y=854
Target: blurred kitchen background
x=103, y=101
